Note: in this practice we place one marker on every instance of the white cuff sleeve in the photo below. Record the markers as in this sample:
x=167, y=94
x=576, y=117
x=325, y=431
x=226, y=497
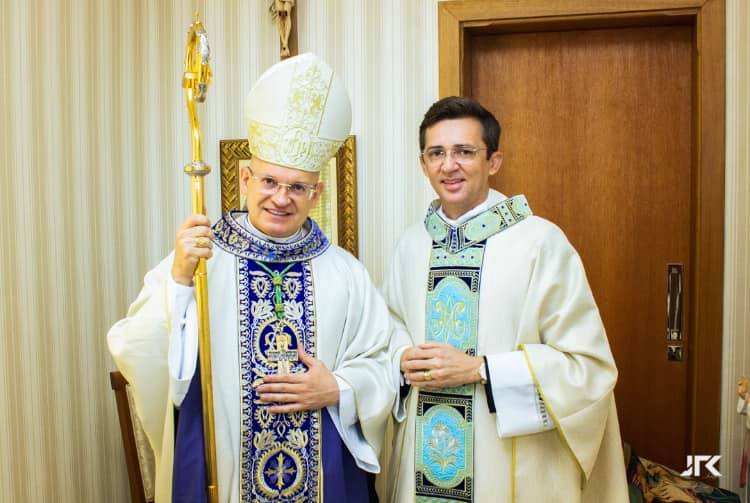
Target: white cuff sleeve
x=346, y=408
x=183, y=339
x=520, y=408
x=344, y=417
x=399, y=406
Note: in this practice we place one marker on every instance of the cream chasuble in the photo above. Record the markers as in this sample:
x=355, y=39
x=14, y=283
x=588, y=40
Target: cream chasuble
x=345, y=324
x=552, y=434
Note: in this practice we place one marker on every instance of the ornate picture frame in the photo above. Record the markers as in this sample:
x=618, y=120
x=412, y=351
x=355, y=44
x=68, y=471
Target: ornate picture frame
x=336, y=212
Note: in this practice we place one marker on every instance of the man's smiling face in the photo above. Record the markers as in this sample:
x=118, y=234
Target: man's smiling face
x=280, y=214
x=461, y=186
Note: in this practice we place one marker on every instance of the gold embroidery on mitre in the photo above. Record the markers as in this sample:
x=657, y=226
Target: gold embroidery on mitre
x=296, y=143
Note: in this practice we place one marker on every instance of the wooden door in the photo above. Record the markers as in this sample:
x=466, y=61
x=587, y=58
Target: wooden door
x=598, y=137
x=601, y=131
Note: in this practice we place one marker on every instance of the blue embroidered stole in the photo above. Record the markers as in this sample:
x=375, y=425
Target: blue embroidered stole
x=444, y=457
x=280, y=454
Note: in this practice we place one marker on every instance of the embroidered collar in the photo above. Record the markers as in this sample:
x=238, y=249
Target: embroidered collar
x=232, y=237
x=478, y=228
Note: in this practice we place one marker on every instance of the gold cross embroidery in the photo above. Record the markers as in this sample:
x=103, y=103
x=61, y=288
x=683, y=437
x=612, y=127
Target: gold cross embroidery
x=280, y=471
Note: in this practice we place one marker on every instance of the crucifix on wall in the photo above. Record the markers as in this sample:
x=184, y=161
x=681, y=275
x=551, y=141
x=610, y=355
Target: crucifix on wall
x=286, y=24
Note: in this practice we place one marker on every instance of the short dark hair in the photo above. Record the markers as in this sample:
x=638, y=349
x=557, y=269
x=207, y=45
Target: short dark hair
x=460, y=107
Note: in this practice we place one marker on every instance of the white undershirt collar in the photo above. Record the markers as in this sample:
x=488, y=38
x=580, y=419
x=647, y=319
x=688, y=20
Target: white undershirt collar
x=248, y=225
x=493, y=197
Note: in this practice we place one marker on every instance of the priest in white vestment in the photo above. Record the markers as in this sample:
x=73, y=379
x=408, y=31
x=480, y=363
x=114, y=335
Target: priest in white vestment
x=299, y=334
x=507, y=376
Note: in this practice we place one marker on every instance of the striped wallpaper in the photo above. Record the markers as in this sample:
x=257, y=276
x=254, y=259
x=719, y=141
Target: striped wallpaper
x=94, y=134
x=386, y=53
x=736, y=345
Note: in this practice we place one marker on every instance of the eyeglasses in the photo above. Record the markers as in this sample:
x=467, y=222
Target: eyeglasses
x=270, y=186
x=436, y=156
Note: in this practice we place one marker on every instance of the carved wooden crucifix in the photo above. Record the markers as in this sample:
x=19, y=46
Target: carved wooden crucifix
x=285, y=15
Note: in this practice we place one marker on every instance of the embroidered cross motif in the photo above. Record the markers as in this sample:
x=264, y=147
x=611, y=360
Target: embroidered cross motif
x=280, y=471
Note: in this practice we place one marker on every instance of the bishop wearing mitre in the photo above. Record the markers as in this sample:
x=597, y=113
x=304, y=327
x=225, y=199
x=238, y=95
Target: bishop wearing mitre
x=299, y=334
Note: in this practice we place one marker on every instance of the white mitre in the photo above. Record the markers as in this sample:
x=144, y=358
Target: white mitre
x=298, y=114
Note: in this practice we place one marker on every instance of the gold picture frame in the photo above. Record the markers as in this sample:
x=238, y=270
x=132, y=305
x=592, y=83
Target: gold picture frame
x=337, y=208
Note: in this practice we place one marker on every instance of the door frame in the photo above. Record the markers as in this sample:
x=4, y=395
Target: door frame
x=459, y=20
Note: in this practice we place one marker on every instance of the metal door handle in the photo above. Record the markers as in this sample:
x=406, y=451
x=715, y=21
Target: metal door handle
x=674, y=302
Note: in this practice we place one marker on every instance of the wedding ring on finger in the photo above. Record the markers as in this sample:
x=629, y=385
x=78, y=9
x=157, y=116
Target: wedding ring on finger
x=426, y=375
x=202, y=242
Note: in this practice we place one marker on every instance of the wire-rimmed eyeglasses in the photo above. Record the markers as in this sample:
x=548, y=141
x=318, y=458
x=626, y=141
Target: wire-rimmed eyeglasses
x=436, y=156
x=269, y=186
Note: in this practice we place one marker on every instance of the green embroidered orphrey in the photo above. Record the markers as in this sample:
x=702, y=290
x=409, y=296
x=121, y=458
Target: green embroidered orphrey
x=277, y=279
x=281, y=354
x=444, y=457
